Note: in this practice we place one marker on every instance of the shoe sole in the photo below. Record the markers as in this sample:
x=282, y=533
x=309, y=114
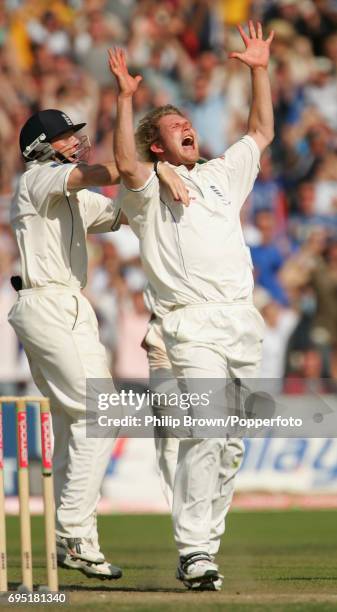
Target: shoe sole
x=85, y=569
x=88, y=574
x=208, y=577
x=206, y=586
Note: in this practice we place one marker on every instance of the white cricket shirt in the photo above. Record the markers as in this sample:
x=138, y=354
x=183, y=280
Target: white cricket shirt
x=50, y=224
x=197, y=254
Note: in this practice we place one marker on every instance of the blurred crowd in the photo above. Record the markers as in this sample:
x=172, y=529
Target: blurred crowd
x=53, y=54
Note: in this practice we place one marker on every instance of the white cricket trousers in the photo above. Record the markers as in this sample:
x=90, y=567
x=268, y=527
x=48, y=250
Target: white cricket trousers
x=59, y=332
x=230, y=458
x=203, y=342
x=162, y=381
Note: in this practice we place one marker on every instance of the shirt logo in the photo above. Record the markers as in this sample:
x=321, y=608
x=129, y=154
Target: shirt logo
x=220, y=195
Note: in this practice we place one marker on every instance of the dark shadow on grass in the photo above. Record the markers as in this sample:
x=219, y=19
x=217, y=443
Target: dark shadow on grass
x=12, y=586
x=117, y=589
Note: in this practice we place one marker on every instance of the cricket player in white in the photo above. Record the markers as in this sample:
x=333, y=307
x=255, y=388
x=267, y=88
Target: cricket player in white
x=51, y=214
x=200, y=269
x=167, y=446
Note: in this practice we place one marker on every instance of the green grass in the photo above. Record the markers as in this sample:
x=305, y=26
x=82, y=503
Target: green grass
x=271, y=561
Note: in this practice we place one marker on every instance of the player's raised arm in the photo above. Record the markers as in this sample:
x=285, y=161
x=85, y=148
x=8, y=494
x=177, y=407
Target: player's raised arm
x=256, y=56
x=134, y=172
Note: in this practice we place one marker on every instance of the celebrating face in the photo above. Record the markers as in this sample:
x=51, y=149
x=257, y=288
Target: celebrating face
x=178, y=142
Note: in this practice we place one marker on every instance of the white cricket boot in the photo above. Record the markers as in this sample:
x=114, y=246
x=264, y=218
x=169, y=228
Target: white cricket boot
x=84, y=554
x=198, y=571
x=80, y=548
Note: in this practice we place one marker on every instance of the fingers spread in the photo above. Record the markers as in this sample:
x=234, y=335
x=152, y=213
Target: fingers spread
x=117, y=58
x=270, y=37
x=113, y=59
x=234, y=55
x=251, y=29
x=243, y=35
x=111, y=56
x=121, y=57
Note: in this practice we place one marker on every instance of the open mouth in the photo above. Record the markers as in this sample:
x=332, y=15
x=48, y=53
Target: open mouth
x=188, y=141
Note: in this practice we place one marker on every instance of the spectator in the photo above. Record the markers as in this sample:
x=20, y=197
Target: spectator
x=268, y=192
x=307, y=378
x=280, y=323
x=321, y=91
x=101, y=36
x=48, y=29
x=131, y=362
x=306, y=218
x=208, y=113
x=324, y=283
x=268, y=258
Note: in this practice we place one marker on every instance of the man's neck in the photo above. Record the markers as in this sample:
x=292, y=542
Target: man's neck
x=177, y=164
x=188, y=167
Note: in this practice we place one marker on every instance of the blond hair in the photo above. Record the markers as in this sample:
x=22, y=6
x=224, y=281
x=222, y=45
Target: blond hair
x=148, y=130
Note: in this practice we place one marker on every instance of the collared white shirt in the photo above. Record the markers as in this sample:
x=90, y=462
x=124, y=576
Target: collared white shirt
x=50, y=224
x=197, y=254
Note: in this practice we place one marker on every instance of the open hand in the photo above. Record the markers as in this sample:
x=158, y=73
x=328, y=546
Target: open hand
x=117, y=63
x=257, y=50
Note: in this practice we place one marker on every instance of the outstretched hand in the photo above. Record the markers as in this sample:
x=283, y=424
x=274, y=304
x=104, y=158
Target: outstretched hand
x=257, y=50
x=127, y=84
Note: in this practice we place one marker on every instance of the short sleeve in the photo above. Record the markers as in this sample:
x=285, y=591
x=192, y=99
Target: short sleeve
x=46, y=181
x=240, y=166
x=102, y=214
x=136, y=203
